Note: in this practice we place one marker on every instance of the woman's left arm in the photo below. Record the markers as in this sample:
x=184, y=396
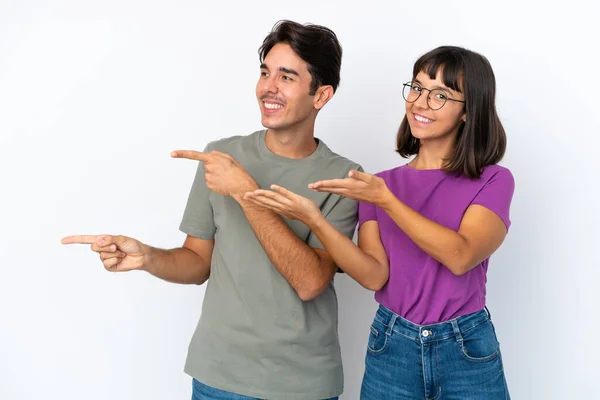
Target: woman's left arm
x=480, y=234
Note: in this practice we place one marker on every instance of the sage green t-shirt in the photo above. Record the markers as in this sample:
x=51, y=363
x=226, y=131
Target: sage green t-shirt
x=255, y=336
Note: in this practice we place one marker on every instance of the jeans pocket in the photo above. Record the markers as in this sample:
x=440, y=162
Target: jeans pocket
x=479, y=343
x=378, y=339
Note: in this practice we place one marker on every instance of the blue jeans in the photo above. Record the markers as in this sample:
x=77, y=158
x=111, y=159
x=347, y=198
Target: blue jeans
x=202, y=392
x=454, y=360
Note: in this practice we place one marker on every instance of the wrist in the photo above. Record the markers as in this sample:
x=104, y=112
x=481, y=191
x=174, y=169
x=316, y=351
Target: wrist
x=386, y=199
x=148, y=259
x=316, y=222
x=239, y=194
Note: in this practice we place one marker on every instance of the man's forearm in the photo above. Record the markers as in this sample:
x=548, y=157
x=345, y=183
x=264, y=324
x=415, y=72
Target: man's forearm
x=297, y=262
x=180, y=265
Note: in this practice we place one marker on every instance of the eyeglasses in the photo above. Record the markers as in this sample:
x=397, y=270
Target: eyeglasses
x=435, y=99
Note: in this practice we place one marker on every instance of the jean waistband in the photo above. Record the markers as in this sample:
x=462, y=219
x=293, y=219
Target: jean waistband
x=453, y=328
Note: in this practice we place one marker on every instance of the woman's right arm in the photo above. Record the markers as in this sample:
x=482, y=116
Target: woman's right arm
x=366, y=263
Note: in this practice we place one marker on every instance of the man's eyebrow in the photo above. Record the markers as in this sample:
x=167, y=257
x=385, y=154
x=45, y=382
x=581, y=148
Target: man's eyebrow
x=288, y=71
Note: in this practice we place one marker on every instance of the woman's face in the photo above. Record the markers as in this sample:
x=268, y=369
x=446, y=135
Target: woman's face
x=429, y=124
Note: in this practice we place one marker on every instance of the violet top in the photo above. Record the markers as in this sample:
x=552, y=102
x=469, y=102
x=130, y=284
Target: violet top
x=421, y=289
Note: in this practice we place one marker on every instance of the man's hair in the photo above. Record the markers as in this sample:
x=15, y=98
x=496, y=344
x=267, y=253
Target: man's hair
x=481, y=140
x=316, y=45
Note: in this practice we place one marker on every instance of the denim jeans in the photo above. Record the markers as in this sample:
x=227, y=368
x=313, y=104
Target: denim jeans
x=454, y=360
x=202, y=392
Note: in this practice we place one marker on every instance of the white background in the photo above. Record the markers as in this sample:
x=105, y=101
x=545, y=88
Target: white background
x=94, y=96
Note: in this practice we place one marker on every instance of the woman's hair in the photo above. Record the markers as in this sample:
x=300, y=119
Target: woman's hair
x=317, y=45
x=481, y=140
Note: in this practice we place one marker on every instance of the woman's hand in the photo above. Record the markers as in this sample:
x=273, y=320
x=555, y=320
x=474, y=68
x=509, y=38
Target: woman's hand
x=359, y=186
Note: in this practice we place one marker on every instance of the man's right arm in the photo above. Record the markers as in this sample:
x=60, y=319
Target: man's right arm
x=189, y=264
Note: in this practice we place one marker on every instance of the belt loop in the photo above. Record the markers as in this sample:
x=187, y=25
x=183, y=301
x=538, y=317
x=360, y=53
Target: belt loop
x=391, y=324
x=488, y=312
x=456, y=329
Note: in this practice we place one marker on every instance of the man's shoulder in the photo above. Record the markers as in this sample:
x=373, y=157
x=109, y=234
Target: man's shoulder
x=339, y=160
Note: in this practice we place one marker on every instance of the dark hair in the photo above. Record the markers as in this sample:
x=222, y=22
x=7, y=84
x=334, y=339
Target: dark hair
x=317, y=45
x=481, y=140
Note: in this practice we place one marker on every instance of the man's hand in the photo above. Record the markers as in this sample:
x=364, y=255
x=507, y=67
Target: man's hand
x=223, y=174
x=118, y=253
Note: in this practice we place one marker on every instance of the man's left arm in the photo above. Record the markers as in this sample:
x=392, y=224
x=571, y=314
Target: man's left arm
x=307, y=267
x=307, y=270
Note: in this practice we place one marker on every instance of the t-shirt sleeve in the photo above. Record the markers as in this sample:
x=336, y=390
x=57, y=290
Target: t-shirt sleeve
x=198, y=220
x=343, y=215
x=497, y=195
x=366, y=212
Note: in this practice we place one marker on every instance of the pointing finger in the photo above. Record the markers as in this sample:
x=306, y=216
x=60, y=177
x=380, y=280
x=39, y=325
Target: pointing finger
x=191, y=155
x=80, y=239
x=118, y=240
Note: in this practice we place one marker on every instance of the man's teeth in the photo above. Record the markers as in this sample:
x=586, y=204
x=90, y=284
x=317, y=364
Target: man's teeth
x=422, y=119
x=273, y=106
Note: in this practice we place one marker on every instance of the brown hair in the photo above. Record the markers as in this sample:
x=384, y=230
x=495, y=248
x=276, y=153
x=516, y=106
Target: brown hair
x=316, y=45
x=481, y=140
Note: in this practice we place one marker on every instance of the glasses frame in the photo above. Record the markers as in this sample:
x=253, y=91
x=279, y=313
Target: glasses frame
x=410, y=84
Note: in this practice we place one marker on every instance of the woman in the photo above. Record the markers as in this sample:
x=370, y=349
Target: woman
x=426, y=232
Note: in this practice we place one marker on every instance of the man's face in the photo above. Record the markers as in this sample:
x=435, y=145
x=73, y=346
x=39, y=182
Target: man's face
x=283, y=90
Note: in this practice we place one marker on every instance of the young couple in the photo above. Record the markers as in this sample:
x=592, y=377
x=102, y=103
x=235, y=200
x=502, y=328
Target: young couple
x=270, y=218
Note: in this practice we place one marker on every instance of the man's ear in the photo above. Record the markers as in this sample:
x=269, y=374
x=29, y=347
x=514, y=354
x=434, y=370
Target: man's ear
x=322, y=96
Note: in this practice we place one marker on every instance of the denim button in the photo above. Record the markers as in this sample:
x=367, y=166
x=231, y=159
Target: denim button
x=425, y=333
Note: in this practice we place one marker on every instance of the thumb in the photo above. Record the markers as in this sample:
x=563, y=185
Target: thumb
x=359, y=176
x=124, y=243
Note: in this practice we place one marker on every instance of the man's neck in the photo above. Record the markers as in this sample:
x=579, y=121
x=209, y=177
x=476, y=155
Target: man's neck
x=291, y=144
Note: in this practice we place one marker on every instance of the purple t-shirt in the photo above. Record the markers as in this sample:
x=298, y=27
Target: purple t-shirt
x=421, y=289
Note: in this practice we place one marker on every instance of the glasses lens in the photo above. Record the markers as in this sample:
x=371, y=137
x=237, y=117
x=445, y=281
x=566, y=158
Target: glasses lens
x=411, y=92
x=437, y=98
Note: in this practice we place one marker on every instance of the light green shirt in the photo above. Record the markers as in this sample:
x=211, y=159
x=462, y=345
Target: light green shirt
x=255, y=336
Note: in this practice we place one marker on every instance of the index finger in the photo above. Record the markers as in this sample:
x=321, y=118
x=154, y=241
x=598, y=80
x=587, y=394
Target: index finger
x=331, y=183
x=80, y=239
x=191, y=155
x=283, y=191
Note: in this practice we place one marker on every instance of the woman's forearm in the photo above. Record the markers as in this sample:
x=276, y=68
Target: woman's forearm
x=364, y=268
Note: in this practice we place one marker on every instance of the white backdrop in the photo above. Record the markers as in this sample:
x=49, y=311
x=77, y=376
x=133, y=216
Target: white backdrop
x=95, y=95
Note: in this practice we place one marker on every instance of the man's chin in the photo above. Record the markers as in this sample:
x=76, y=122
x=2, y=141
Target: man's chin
x=271, y=124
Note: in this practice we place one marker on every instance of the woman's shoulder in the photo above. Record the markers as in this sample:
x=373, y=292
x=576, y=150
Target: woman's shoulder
x=392, y=172
x=495, y=171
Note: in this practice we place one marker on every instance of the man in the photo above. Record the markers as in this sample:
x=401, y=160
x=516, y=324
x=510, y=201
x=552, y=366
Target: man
x=268, y=327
